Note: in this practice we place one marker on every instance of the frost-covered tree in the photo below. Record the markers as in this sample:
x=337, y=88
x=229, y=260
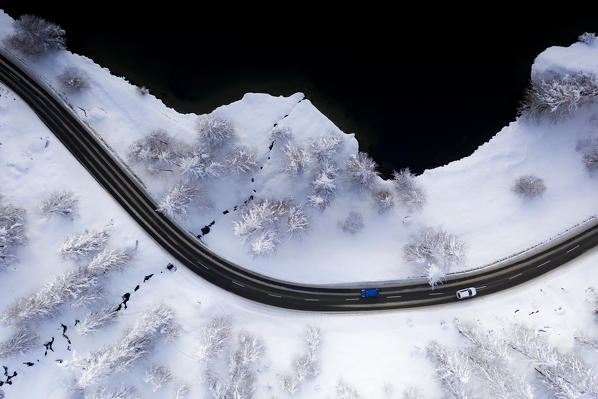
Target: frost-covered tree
x=241, y=160
x=134, y=344
x=198, y=164
x=158, y=376
x=296, y=159
x=110, y=259
x=453, y=370
x=97, y=319
x=589, y=150
x=155, y=151
x=281, y=134
x=12, y=232
x=181, y=391
x=566, y=375
x=175, y=203
x=529, y=186
x=60, y=202
x=214, y=131
x=21, y=341
x=437, y=250
x=73, y=79
x=323, y=185
x=384, y=200
x=35, y=36
x=326, y=147
x=412, y=392
x=122, y=392
x=83, y=244
x=361, y=169
x=409, y=192
x=346, y=391
x=264, y=243
x=298, y=221
x=559, y=96
x=587, y=38
x=213, y=337
x=306, y=365
x=352, y=223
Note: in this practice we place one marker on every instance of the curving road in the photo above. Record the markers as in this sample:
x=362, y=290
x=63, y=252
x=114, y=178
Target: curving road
x=185, y=248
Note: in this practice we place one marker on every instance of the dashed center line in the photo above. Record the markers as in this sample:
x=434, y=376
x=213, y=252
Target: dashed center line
x=573, y=249
x=542, y=264
x=436, y=293
x=352, y=299
x=312, y=299
x=517, y=275
x=275, y=296
x=239, y=284
x=393, y=296
x=483, y=286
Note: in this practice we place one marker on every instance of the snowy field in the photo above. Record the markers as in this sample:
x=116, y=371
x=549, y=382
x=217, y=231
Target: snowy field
x=197, y=333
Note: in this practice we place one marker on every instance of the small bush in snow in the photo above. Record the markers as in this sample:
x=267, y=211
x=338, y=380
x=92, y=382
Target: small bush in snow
x=175, y=203
x=282, y=134
x=96, y=320
x=155, y=151
x=559, y=96
x=353, y=223
x=123, y=392
x=241, y=160
x=361, y=168
x=136, y=342
x=298, y=221
x=181, y=391
x=346, y=391
x=412, y=392
x=410, y=193
x=264, y=243
x=384, y=200
x=214, y=131
x=587, y=38
x=296, y=159
x=437, y=249
x=74, y=79
x=305, y=366
x=83, y=244
x=529, y=186
x=142, y=90
x=60, y=202
x=35, y=36
x=23, y=340
x=158, y=376
x=12, y=231
x=214, y=336
x=326, y=147
x=589, y=150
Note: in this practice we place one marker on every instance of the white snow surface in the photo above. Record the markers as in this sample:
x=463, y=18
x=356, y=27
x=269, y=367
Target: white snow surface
x=470, y=197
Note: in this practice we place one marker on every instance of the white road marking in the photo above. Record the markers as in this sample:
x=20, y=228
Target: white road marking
x=574, y=248
x=436, y=293
x=239, y=284
x=394, y=296
x=483, y=286
x=275, y=296
x=312, y=299
x=352, y=299
x=542, y=264
x=517, y=275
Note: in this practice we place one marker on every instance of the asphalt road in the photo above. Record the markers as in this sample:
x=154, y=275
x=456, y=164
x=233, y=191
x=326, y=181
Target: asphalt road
x=188, y=251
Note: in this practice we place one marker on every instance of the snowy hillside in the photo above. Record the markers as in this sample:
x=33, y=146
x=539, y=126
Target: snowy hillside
x=90, y=307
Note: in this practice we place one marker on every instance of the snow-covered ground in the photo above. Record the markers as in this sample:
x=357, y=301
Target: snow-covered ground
x=381, y=353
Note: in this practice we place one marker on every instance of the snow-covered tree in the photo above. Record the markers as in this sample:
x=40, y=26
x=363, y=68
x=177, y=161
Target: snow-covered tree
x=135, y=343
x=453, y=370
x=158, y=376
x=326, y=147
x=282, y=134
x=346, y=391
x=214, y=131
x=198, y=164
x=324, y=186
x=589, y=149
x=108, y=260
x=97, y=319
x=412, y=392
x=35, y=36
x=566, y=375
x=352, y=223
x=213, y=337
x=361, y=169
x=384, y=200
x=296, y=159
x=12, y=231
x=241, y=160
x=409, y=193
x=155, y=151
x=587, y=38
x=83, y=244
x=73, y=79
x=437, y=250
x=298, y=221
x=558, y=96
x=60, y=202
x=263, y=243
x=122, y=392
x=175, y=203
x=529, y=186
x=181, y=391
x=305, y=366
x=21, y=341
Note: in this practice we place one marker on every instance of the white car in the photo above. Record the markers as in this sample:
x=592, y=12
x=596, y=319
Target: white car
x=466, y=293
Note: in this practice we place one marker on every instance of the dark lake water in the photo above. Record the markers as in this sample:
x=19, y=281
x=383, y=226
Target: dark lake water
x=417, y=92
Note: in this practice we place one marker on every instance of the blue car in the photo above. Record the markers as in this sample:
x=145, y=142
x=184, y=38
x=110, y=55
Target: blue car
x=369, y=293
